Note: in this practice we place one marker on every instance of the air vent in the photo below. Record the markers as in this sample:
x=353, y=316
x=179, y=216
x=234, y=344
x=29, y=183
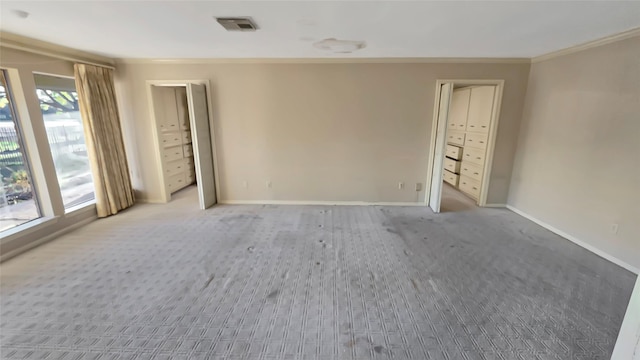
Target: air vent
x=237, y=24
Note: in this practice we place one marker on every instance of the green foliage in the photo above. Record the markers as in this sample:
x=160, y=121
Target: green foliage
x=57, y=102
x=17, y=181
x=19, y=176
x=7, y=145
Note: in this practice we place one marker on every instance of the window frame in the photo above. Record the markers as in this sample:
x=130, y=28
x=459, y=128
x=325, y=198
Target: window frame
x=17, y=122
x=36, y=75
x=53, y=215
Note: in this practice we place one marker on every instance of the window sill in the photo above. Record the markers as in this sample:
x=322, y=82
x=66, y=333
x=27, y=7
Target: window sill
x=43, y=222
x=28, y=227
x=87, y=206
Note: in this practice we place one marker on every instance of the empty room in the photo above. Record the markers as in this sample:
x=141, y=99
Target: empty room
x=320, y=180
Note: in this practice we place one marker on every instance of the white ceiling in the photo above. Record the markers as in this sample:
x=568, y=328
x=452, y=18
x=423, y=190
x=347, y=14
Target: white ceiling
x=187, y=29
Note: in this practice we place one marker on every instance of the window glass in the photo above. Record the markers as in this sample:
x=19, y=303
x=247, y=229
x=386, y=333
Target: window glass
x=18, y=203
x=61, y=113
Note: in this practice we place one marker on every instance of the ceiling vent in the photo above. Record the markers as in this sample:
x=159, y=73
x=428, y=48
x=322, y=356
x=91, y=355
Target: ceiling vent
x=237, y=24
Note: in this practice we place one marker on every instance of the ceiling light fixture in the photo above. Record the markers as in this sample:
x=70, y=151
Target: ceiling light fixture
x=340, y=46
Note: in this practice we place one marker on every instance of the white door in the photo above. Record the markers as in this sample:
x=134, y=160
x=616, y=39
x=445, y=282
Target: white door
x=202, y=144
x=436, y=177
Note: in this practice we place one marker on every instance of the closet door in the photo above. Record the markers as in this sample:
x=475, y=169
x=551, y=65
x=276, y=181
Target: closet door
x=480, y=109
x=438, y=166
x=459, y=109
x=202, y=144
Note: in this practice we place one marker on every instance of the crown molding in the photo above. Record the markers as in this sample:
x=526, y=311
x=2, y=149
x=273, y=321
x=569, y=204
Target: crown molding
x=326, y=61
x=588, y=45
x=19, y=42
x=14, y=41
x=415, y=60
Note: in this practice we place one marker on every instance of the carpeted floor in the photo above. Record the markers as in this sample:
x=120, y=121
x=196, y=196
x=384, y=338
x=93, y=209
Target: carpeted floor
x=455, y=201
x=310, y=282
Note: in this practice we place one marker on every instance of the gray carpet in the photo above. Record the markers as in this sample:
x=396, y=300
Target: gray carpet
x=310, y=282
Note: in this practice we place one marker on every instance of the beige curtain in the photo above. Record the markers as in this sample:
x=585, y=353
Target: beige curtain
x=96, y=95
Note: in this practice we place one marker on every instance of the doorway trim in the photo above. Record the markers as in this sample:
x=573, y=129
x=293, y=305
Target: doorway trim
x=493, y=129
x=165, y=194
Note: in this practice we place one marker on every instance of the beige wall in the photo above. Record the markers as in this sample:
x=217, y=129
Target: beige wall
x=319, y=132
x=578, y=165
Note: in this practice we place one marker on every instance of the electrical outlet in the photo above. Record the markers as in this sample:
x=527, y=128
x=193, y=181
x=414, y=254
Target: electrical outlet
x=268, y=184
x=400, y=185
x=418, y=186
x=614, y=228
x=245, y=184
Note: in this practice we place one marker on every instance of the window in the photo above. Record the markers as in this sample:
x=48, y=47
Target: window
x=18, y=203
x=61, y=113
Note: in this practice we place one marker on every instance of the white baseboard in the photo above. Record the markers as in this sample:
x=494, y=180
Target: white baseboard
x=576, y=241
x=150, y=201
x=293, y=202
x=32, y=244
x=495, y=205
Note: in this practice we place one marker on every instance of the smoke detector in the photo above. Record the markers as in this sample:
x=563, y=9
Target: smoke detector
x=340, y=46
x=237, y=23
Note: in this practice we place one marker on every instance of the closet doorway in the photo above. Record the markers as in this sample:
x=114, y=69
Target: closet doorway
x=184, y=138
x=463, y=139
